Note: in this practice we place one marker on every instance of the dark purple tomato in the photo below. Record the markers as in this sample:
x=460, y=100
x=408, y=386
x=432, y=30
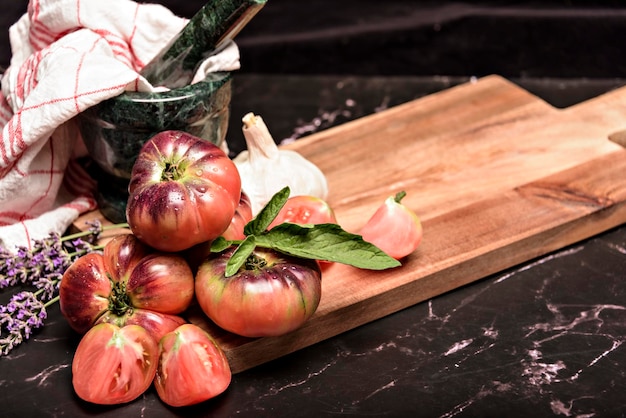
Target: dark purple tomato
x=183, y=191
x=124, y=282
x=271, y=295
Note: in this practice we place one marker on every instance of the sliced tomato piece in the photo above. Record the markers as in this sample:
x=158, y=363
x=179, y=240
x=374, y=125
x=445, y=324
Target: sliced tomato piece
x=394, y=228
x=192, y=367
x=114, y=365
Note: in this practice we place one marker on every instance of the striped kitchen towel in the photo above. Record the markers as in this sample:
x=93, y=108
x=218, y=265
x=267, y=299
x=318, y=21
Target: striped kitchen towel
x=67, y=55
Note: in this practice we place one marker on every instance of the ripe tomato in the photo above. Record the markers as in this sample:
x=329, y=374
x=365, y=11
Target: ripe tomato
x=196, y=254
x=183, y=191
x=192, y=368
x=156, y=323
x=394, y=228
x=243, y=215
x=303, y=209
x=127, y=279
x=114, y=365
x=272, y=294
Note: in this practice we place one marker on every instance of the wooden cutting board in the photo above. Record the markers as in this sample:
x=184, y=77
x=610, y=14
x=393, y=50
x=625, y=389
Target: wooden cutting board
x=497, y=176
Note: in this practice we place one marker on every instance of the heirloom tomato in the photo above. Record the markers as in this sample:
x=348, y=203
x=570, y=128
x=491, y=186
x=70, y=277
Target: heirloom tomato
x=114, y=365
x=183, y=191
x=304, y=209
x=235, y=231
x=271, y=294
x=156, y=323
x=394, y=228
x=192, y=368
x=243, y=215
x=129, y=283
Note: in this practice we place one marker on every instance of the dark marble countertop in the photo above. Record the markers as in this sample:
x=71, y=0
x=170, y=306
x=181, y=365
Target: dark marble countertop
x=545, y=338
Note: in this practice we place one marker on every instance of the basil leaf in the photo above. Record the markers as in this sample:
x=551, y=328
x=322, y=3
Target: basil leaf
x=327, y=242
x=240, y=255
x=219, y=244
x=269, y=212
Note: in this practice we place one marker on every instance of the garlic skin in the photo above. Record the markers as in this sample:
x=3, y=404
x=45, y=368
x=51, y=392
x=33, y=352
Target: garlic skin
x=265, y=169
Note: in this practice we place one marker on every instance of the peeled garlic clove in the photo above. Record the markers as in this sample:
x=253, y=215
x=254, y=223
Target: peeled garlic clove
x=265, y=169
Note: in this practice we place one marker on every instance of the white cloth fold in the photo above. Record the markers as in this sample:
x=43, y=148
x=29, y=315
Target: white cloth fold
x=68, y=55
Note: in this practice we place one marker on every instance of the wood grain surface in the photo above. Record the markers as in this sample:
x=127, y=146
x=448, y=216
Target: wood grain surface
x=497, y=176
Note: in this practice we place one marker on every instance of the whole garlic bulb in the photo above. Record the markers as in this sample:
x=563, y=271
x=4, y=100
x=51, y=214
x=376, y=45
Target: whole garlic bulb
x=265, y=169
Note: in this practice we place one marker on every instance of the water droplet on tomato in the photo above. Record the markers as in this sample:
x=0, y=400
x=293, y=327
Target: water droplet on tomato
x=199, y=172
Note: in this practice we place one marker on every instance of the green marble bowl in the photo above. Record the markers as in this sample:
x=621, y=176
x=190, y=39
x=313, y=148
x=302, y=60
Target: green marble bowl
x=115, y=130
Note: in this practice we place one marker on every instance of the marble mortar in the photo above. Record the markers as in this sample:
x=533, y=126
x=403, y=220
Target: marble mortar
x=115, y=130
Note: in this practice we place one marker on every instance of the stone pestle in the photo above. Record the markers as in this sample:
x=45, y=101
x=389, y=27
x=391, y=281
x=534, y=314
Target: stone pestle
x=206, y=32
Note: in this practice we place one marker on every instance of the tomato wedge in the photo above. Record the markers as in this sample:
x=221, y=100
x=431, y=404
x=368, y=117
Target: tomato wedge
x=394, y=228
x=114, y=365
x=192, y=367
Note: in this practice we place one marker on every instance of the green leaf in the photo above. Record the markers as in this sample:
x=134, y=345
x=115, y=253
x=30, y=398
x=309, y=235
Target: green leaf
x=269, y=212
x=220, y=244
x=240, y=255
x=327, y=242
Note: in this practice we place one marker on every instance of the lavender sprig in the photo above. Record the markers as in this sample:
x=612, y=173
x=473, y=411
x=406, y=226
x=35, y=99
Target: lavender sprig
x=24, y=313
x=41, y=266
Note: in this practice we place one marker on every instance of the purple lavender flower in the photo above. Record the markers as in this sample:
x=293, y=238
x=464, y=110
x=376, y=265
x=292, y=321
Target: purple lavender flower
x=95, y=230
x=40, y=266
x=24, y=313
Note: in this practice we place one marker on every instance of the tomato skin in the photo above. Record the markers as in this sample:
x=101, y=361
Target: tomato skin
x=243, y=215
x=183, y=191
x=156, y=323
x=84, y=292
x=192, y=368
x=114, y=365
x=196, y=254
x=394, y=228
x=122, y=254
x=154, y=281
x=126, y=278
x=266, y=301
x=304, y=209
